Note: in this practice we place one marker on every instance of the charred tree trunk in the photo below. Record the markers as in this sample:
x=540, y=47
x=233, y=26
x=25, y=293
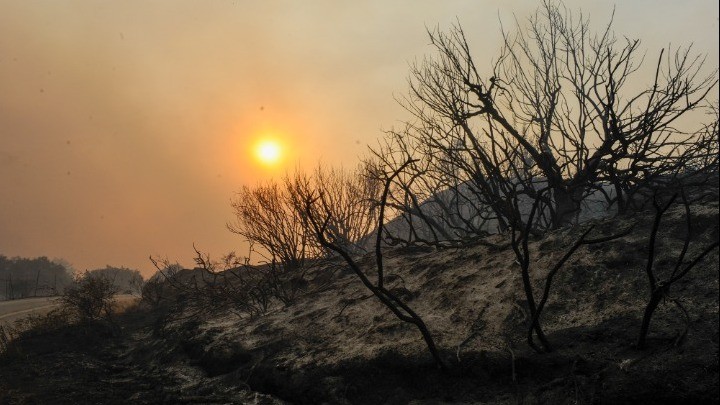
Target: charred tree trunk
x=655, y=299
x=660, y=288
x=567, y=207
x=315, y=208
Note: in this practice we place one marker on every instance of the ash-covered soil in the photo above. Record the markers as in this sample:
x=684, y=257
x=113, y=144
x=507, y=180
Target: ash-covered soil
x=95, y=364
x=337, y=344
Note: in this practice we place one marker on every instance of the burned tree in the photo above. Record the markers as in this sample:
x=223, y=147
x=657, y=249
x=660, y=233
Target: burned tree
x=318, y=213
x=266, y=218
x=520, y=237
x=350, y=198
x=90, y=298
x=562, y=108
x=660, y=286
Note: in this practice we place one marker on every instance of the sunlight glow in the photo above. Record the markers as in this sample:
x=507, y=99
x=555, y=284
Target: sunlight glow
x=268, y=152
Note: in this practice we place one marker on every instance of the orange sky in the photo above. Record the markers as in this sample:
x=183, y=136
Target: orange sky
x=126, y=126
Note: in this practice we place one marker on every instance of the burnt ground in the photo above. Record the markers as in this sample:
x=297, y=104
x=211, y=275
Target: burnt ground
x=337, y=345
x=96, y=364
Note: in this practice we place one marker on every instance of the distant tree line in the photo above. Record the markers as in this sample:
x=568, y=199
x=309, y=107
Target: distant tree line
x=122, y=279
x=23, y=277
x=41, y=277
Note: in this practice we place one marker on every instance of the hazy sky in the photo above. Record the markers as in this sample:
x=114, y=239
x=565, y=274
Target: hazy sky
x=126, y=126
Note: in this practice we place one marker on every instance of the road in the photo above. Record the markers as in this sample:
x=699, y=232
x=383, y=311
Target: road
x=16, y=309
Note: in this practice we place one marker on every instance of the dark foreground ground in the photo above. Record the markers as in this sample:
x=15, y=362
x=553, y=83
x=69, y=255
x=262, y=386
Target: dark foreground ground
x=336, y=345
x=96, y=364
x=93, y=365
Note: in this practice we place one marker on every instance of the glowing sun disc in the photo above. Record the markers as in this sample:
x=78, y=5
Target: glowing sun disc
x=268, y=152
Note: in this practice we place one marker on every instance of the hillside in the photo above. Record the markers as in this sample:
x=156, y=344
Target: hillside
x=337, y=344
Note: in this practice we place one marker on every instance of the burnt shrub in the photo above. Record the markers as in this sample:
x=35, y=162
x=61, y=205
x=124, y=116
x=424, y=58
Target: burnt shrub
x=90, y=298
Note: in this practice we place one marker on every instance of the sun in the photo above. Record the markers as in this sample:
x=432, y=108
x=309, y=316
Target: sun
x=268, y=151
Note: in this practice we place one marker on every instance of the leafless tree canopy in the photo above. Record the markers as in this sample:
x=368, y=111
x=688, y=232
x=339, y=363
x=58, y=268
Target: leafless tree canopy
x=349, y=202
x=265, y=216
x=564, y=107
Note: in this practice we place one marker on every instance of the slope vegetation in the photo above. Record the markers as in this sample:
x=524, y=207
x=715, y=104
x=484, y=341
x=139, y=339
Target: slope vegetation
x=337, y=344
